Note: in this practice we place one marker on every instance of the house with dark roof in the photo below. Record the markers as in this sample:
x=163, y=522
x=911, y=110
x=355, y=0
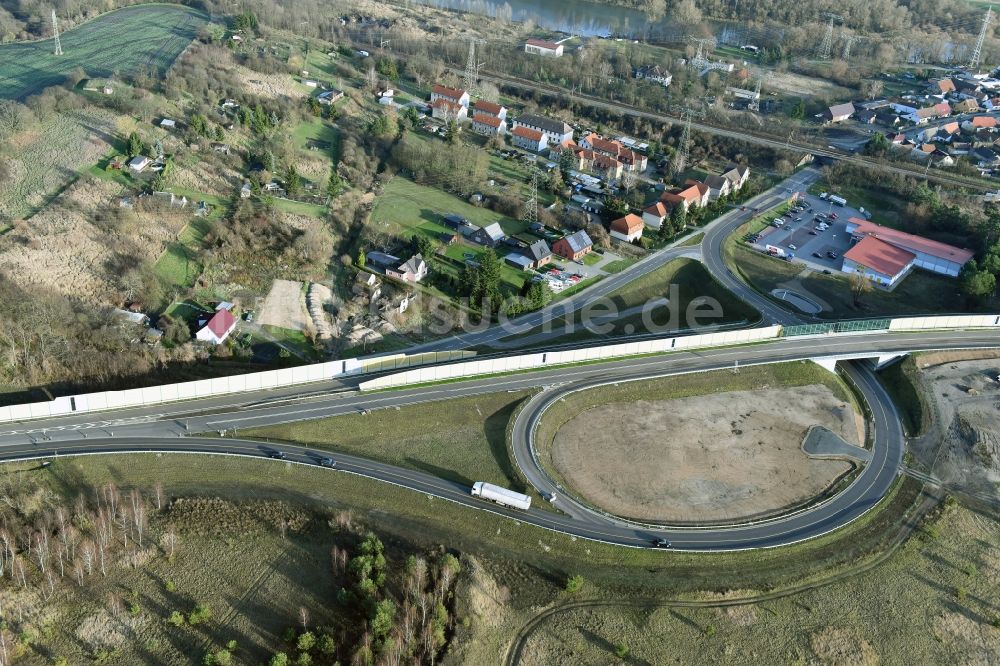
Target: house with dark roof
x=491, y=235
x=718, y=187
x=217, y=328
x=554, y=131
x=381, y=260
x=539, y=253
x=413, y=269
x=573, y=247
x=654, y=73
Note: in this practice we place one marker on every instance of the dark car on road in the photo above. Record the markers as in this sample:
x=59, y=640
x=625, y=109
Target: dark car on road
x=277, y=455
x=662, y=543
x=326, y=462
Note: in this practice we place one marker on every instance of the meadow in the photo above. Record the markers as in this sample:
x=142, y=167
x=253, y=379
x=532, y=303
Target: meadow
x=122, y=41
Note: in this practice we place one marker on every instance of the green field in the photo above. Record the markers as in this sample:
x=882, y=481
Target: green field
x=472, y=446
x=121, y=41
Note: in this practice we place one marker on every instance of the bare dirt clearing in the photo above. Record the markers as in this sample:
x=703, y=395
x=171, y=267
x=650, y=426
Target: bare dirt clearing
x=963, y=444
x=711, y=457
x=284, y=307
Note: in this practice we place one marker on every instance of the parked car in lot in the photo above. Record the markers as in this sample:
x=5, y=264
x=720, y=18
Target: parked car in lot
x=817, y=255
x=832, y=254
x=792, y=246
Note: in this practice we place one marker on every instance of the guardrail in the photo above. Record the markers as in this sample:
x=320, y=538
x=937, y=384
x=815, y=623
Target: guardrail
x=205, y=388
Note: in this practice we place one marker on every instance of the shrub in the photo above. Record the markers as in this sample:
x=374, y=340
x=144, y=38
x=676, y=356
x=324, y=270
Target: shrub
x=710, y=630
x=574, y=584
x=176, y=619
x=199, y=615
x=622, y=651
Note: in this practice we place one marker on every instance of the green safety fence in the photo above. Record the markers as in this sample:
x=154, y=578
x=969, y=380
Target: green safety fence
x=854, y=326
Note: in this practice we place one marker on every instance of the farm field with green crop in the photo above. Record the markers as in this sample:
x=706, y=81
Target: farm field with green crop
x=121, y=41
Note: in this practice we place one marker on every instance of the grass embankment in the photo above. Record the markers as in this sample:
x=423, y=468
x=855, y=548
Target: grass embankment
x=415, y=517
x=919, y=293
x=938, y=592
x=902, y=381
x=692, y=282
x=799, y=373
x=462, y=440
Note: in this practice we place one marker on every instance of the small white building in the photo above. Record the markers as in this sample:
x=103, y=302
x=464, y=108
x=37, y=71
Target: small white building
x=139, y=163
x=168, y=123
x=543, y=47
x=217, y=328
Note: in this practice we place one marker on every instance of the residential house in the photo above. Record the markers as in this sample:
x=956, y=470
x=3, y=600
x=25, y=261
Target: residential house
x=413, y=269
x=603, y=166
x=654, y=73
x=573, y=247
x=656, y=215
x=539, y=253
x=839, y=112
x=946, y=132
x=737, y=175
x=985, y=158
x=528, y=138
x=718, y=187
x=872, y=105
x=979, y=122
x=446, y=110
x=687, y=196
x=491, y=235
x=487, y=125
x=967, y=105
x=554, y=131
x=628, y=228
x=940, y=87
x=704, y=191
x=930, y=255
x=217, y=328
x=543, y=47
x=631, y=160
x=491, y=108
x=923, y=151
x=959, y=148
x=330, y=96
x=866, y=117
x=139, y=163
x=453, y=95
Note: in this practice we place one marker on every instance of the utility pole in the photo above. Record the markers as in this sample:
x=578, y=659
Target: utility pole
x=754, y=104
x=472, y=71
x=530, y=211
x=826, y=46
x=977, y=52
x=846, y=55
x=684, y=147
x=55, y=34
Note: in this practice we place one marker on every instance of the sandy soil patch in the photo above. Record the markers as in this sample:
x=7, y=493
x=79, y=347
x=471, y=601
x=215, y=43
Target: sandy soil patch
x=283, y=306
x=839, y=647
x=72, y=248
x=710, y=457
x=963, y=444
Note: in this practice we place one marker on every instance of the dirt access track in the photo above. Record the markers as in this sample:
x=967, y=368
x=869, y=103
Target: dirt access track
x=704, y=458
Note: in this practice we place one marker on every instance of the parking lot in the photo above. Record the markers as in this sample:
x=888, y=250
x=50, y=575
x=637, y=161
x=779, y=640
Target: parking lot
x=805, y=241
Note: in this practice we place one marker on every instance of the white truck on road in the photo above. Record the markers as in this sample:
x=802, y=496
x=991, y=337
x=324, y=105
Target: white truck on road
x=500, y=495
